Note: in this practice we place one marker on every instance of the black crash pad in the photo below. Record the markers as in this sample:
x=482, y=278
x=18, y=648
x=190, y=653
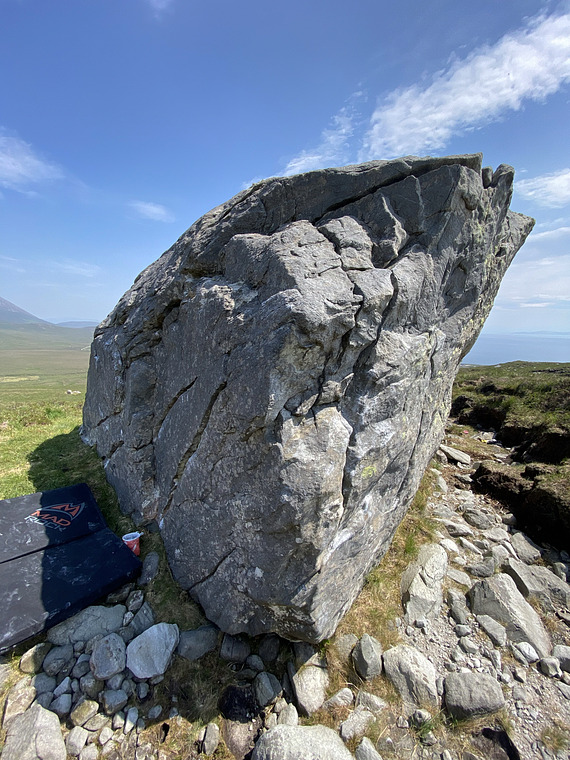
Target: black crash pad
x=56, y=557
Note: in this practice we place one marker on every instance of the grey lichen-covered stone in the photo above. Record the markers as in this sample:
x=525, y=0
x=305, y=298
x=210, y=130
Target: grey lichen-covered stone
x=149, y=654
x=470, y=694
x=149, y=568
x=499, y=598
x=413, y=675
x=370, y=702
x=34, y=735
x=342, y=698
x=494, y=630
x=90, y=622
x=198, y=642
x=550, y=666
x=114, y=700
x=18, y=699
x=211, y=739
x=367, y=657
x=309, y=685
x=367, y=751
x=57, y=659
x=61, y=705
x=356, y=724
x=288, y=716
x=539, y=583
x=31, y=661
x=562, y=654
x=284, y=374
x=142, y=621
x=267, y=689
x=83, y=711
x=293, y=742
x=108, y=657
x=421, y=585
x=75, y=740
x=526, y=549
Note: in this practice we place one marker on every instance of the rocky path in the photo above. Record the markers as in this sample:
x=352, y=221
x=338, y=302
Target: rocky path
x=480, y=668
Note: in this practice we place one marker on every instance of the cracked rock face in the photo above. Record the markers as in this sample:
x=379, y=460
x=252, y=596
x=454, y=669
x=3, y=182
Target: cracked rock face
x=272, y=388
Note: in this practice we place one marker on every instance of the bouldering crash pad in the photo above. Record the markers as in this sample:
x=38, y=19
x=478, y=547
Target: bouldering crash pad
x=57, y=556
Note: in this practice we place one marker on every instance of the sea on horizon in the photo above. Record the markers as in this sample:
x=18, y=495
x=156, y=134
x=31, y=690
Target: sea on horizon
x=527, y=347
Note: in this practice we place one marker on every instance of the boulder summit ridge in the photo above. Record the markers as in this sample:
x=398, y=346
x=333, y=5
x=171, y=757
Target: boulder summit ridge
x=272, y=388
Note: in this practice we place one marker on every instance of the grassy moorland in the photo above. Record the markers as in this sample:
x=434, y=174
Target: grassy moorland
x=527, y=404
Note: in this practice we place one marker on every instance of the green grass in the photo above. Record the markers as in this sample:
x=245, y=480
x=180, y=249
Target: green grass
x=38, y=337
x=523, y=394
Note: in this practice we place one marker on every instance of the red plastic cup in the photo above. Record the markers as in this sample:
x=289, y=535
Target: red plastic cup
x=132, y=540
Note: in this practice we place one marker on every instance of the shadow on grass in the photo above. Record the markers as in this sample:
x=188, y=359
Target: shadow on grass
x=64, y=461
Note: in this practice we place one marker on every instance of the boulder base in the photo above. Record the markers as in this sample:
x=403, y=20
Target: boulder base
x=272, y=388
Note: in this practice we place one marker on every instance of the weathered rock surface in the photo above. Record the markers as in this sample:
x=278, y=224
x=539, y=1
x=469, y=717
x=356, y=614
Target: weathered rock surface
x=421, y=586
x=413, y=675
x=469, y=694
x=499, y=598
x=34, y=735
x=292, y=742
x=272, y=388
x=149, y=654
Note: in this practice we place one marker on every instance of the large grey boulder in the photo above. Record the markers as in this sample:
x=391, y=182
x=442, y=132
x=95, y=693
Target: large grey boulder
x=499, y=598
x=273, y=387
x=34, y=735
x=293, y=742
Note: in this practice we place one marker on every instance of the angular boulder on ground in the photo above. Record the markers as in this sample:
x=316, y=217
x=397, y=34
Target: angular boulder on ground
x=34, y=735
x=413, y=675
x=292, y=742
x=272, y=388
x=422, y=583
x=499, y=598
x=149, y=654
x=471, y=694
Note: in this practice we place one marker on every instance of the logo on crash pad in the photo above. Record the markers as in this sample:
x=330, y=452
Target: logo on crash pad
x=58, y=516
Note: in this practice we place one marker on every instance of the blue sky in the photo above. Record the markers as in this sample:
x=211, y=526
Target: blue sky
x=123, y=122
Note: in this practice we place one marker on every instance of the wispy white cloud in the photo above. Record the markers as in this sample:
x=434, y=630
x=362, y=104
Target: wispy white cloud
x=20, y=166
x=153, y=211
x=542, y=280
x=11, y=264
x=552, y=190
x=334, y=147
x=76, y=268
x=536, y=305
x=159, y=5
x=549, y=235
x=527, y=64
x=250, y=182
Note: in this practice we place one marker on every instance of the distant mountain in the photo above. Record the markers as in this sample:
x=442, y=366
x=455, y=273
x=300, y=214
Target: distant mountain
x=23, y=331
x=77, y=324
x=12, y=315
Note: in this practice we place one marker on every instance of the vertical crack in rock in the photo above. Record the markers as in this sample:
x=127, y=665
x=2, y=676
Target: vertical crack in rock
x=193, y=446
x=332, y=310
